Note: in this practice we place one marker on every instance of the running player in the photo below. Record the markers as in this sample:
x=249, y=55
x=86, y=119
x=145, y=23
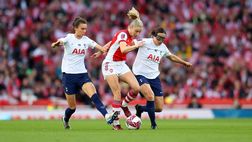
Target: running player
x=114, y=67
x=75, y=76
x=146, y=69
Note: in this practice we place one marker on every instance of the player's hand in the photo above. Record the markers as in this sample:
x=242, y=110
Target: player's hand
x=104, y=49
x=140, y=44
x=97, y=54
x=188, y=65
x=53, y=45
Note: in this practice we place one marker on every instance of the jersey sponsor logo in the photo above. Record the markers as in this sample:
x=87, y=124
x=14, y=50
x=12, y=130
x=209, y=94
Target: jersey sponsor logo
x=122, y=36
x=154, y=58
x=78, y=51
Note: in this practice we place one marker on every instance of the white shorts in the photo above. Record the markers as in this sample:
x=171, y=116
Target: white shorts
x=114, y=68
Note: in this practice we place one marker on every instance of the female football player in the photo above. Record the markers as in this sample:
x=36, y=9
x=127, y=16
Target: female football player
x=114, y=67
x=75, y=76
x=146, y=70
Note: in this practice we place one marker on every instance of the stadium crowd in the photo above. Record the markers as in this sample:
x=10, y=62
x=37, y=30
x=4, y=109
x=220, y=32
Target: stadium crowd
x=214, y=35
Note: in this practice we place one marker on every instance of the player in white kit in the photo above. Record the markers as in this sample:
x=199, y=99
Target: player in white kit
x=75, y=76
x=146, y=70
x=114, y=67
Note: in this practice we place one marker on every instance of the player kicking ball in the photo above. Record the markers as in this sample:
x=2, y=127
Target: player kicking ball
x=146, y=70
x=75, y=76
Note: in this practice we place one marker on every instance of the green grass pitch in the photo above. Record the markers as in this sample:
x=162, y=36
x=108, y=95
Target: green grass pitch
x=217, y=130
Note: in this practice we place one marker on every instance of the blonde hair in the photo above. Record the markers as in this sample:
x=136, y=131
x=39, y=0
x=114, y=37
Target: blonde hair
x=133, y=15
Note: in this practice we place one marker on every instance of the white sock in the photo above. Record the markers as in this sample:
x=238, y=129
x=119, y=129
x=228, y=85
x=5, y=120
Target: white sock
x=116, y=122
x=124, y=103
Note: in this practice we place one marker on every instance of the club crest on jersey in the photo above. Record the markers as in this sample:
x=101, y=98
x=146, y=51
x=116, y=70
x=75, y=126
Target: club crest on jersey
x=84, y=45
x=78, y=51
x=154, y=58
x=122, y=36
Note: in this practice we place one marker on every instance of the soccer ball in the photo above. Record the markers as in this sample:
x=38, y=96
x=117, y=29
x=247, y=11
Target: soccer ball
x=133, y=122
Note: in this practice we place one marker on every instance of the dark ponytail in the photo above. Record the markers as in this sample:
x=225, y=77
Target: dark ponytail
x=78, y=20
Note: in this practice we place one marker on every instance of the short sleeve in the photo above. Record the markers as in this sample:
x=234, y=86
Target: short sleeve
x=64, y=39
x=122, y=37
x=167, y=51
x=91, y=43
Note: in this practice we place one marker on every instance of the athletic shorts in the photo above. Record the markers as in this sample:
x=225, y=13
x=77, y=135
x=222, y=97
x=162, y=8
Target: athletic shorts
x=155, y=84
x=72, y=83
x=114, y=68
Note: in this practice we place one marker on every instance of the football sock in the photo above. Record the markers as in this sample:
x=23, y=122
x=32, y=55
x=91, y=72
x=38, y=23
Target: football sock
x=116, y=105
x=130, y=97
x=150, y=107
x=124, y=104
x=68, y=114
x=116, y=122
x=142, y=108
x=99, y=105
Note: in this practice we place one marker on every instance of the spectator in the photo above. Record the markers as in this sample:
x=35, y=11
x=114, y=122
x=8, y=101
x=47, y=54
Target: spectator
x=194, y=103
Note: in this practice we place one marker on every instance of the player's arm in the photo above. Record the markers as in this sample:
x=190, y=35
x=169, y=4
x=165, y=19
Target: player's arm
x=100, y=48
x=107, y=45
x=176, y=59
x=103, y=48
x=126, y=48
x=98, y=53
x=57, y=43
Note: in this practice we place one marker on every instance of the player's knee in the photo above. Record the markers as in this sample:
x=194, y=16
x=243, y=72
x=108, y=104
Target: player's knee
x=116, y=90
x=72, y=107
x=136, y=89
x=150, y=98
x=158, y=109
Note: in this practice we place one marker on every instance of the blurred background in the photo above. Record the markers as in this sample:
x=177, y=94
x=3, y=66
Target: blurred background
x=214, y=35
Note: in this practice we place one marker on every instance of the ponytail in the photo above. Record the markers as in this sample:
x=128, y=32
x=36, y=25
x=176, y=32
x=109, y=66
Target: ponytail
x=133, y=15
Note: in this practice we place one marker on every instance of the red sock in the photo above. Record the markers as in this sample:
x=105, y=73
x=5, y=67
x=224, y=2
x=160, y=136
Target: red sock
x=130, y=97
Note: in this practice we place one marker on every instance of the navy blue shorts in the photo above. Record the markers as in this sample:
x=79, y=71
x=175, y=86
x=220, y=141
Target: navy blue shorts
x=154, y=83
x=72, y=83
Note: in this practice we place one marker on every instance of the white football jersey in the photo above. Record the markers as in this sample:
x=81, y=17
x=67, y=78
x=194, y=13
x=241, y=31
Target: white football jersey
x=148, y=59
x=74, y=53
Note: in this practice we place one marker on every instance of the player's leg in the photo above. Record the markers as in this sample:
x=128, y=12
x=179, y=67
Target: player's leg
x=159, y=98
x=157, y=89
x=110, y=71
x=130, y=79
x=147, y=92
x=90, y=90
x=71, y=100
x=70, y=90
x=159, y=103
x=113, y=82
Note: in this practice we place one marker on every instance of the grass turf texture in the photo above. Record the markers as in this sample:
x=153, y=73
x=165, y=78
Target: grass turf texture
x=217, y=130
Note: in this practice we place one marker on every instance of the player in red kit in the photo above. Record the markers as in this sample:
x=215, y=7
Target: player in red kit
x=114, y=67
